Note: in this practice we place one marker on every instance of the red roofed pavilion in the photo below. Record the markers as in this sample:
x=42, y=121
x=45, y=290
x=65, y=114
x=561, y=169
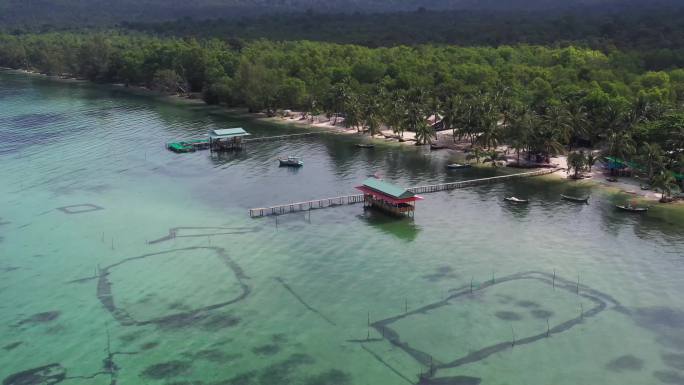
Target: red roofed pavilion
x=388, y=197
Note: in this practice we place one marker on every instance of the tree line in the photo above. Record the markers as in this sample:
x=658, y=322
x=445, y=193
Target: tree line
x=655, y=30
x=539, y=100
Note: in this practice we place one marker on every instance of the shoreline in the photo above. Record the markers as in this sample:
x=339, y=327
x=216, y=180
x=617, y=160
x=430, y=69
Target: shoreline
x=628, y=186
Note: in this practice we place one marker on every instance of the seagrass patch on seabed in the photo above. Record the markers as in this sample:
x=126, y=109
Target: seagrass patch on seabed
x=80, y=208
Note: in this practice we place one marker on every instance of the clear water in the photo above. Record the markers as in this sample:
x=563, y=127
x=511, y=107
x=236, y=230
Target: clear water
x=93, y=280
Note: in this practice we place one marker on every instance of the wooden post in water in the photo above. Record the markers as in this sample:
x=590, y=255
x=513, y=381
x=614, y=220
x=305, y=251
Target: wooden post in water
x=547, y=327
x=405, y=305
x=553, y=281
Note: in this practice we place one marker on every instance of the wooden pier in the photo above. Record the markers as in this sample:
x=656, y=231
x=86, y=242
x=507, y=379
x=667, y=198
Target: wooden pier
x=283, y=137
x=359, y=198
x=192, y=145
x=477, y=182
x=306, y=206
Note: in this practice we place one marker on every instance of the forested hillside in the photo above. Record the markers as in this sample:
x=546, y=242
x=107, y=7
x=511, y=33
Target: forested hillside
x=639, y=27
x=105, y=12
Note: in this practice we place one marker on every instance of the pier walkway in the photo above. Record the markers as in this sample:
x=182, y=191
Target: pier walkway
x=203, y=144
x=358, y=198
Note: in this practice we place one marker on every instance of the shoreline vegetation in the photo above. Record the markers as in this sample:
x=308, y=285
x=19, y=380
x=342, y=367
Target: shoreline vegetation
x=524, y=106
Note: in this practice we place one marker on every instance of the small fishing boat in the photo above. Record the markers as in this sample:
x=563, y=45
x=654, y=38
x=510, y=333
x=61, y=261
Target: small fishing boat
x=645, y=187
x=516, y=200
x=612, y=179
x=437, y=146
x=365, y=145
x=575, y=199
x=454, y=166
x=291, y=161
x=631, y=208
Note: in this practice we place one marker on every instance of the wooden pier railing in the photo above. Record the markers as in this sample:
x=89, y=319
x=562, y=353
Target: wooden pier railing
x=282, y=137
x=192, y=145
x=476, y=182
x=305, y=206
x=358, y=198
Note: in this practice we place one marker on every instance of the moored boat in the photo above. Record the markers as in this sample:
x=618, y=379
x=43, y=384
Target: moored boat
x=575, y=199
x=454, y=166
x=437, y=146
x=365, y=145
x=631, y=208
x=516, y=200
x=291, y=161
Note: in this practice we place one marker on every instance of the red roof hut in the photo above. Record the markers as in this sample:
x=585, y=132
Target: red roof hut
x=388, y=197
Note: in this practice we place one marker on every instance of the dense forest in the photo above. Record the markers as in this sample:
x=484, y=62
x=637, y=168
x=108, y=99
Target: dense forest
x=108, y=12
x=539, y=100
x=642, y=27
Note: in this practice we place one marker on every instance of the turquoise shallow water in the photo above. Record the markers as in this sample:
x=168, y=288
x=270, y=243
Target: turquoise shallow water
x=121, y=261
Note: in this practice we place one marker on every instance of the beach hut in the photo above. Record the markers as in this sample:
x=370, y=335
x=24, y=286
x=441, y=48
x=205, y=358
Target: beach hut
x=388, y=197
x=227, y=138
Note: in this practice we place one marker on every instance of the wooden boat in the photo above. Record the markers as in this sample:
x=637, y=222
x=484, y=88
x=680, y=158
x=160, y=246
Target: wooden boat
x=645, y=187
x=291, y=161
x=454, y=166
x=612, y=179
x=516, y=200
x=575, y=199
x=632, y=209
x=437, y=146
x=365, y=145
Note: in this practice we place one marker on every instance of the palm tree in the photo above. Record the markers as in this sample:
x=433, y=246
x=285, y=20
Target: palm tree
x=338, y=95
x=578, y=120
x=415, y=117
x=371, y=112
x=664, y=182
x=424, y=132
x=352, y=111
x=546, y=141
x=591, y=160
x=451, y=113
x=523, y=124
x=492, y=156
x=475, y=153
x=487, y=123
x=557, y=119
x=394, y=109
x=619, y=143
x=652, y=155
x=576, y=161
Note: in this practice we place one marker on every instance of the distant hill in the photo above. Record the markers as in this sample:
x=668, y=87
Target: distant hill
x=99, y=12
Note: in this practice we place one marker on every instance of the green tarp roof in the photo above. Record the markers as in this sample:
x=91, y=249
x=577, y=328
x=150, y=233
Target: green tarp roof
x=388, y=188
x=623, y=163
x=228, y=133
